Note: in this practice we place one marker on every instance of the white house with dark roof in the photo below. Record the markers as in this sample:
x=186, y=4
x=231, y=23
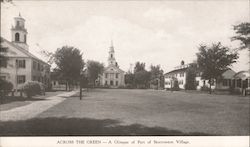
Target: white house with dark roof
x=179, y=73
x=21, y=66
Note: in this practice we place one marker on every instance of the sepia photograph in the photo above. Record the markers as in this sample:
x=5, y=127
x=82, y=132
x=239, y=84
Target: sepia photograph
x=125, y=68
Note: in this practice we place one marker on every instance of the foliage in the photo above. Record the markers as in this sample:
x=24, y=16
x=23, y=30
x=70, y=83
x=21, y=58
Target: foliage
x=69, y=63
x=142, y=79
x=190, y=77
x=214, y=60
x=242, y=31
x=156, y=75
x=6, y=1
x=205, y=88
x=141, y=76
x=5, y=86
x=94, y=69
x=49, y=55
x=129, y=79
x=32, y=88
x=139, y=67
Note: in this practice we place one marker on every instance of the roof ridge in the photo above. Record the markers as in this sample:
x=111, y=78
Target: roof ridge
x=23, y=50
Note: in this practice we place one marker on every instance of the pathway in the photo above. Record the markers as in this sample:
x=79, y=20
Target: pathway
x=33, y=109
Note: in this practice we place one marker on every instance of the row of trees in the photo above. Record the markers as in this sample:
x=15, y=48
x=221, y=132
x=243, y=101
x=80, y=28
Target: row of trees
x=71, y=68
x=141, y=78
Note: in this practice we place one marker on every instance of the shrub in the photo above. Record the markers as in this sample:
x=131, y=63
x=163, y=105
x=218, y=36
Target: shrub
x=32, y=88
x=205, y=88
x=5, y=86
x=129, y=86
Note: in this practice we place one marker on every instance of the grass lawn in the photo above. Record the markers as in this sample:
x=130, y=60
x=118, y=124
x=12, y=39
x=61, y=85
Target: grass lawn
x=139, y=112
x=10, y=102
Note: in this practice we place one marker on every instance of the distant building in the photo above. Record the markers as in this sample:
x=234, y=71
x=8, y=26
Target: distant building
x=112, y=76
x=179, y=74
x=21, y=66
x=241, y=81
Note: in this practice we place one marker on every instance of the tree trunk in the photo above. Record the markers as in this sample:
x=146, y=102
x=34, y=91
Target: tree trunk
x=210, y=86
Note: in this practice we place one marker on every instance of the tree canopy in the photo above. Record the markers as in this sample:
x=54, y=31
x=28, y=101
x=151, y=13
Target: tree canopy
x=69, y=63
x=242, y=31
x=156, y=75
x=94, y=68
x=139, y=66
x=214, y=60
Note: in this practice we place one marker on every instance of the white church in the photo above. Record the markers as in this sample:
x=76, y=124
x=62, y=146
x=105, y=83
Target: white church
x=112, y=76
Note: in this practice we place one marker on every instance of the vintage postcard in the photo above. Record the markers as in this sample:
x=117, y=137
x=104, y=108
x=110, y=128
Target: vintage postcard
x=125, y=73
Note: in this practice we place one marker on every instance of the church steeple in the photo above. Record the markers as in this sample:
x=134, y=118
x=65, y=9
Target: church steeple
x=111, y=59
x=19, y=32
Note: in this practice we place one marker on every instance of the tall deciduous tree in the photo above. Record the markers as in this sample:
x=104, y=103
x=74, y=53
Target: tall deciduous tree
x=156, y=76
x=69, y=63
x=94, y=68
x=214, y=60
x=129, y=79
x=242, y=31
x=141, y=76
x=139, y=66
x=190, y=77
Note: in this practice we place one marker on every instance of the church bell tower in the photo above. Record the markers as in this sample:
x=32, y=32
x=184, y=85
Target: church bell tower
x=19, y=32
x=111, y=59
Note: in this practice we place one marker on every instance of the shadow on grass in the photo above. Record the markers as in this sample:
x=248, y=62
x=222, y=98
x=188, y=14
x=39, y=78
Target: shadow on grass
x=9, y=99
x=83, y=127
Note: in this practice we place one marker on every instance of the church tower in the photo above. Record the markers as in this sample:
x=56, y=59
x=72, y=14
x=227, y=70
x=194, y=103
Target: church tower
x=19, y=33
x=111, y=58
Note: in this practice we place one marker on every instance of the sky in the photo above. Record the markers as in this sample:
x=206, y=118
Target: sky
x=154, y=32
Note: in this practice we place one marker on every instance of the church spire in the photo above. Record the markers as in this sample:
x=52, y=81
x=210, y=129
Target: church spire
x=111, y=58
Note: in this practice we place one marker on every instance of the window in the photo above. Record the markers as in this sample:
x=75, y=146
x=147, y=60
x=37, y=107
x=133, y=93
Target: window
x=212, y=82
x=3, y=77
x=248, y=82
x=238, y=83
x=42, y=67
x=54, y=82
x=3, y=63
x=229, y=82
x=25, y=38
x=20, y=63
x=182, y=74
x=38, y=66
x=181, y=82
x=116, y=75
x=18, y=23
x=3, y=49
x=106, y=75
x=112, y=75
x=224, y=82
x=197, y=83
x=20, y=79
x=34, y=65
x=17, y=37
x=116, y=83
x=34, y=78
x=111, y=83
x=106, y=82
x=111, y=55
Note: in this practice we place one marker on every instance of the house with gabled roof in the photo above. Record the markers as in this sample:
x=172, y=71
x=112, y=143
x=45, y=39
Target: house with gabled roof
x=21, y=65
